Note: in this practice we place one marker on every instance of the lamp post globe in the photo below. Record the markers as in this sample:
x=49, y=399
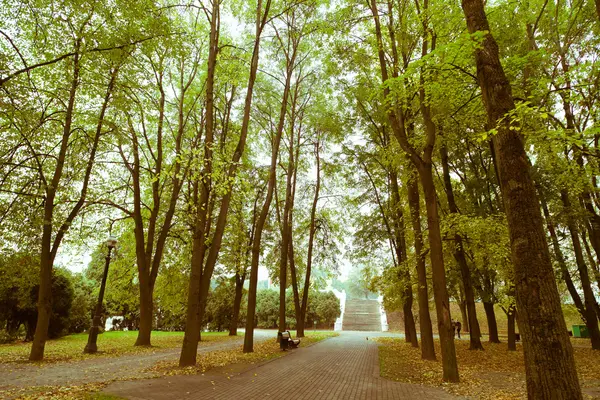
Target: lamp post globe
x=91, y=346
x=111, y=242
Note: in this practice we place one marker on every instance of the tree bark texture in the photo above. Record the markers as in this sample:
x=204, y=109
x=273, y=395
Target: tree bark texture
x=311, y=241
x=461, y=260
x=425, y=325
x=49, y=246
x=512, y=337
x=549, y=360
x=440, y=292
x=490, y=314
x=410, y=329
x=558, y=254
x=237, y=302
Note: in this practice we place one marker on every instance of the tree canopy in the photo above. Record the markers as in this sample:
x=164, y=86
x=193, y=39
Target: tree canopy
x=448, y=152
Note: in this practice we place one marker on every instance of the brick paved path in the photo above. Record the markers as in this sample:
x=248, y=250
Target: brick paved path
x=345, y=367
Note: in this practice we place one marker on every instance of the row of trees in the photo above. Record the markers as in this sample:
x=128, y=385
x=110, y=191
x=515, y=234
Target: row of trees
x=75, y=294
x=493, y=129
x=139, y=119
x=209, y=148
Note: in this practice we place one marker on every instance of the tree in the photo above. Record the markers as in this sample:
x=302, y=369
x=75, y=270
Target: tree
x=549, y=361
x=290, y=55
x=144, y=156
x=423, y=165
x=200, y=277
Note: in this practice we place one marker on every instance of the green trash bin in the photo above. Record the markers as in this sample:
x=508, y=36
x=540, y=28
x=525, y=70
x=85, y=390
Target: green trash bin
x=580, y=331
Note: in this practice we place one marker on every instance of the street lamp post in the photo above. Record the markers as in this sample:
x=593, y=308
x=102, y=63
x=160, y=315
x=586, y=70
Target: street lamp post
x=91, y=346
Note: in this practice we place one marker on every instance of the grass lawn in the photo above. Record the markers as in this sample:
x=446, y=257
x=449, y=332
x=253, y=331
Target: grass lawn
x=114, y=343
x=494, y=373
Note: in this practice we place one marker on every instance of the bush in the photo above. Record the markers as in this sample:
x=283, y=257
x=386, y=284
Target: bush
x=18, y=298
x=267, y=308
x=323, y=307
x=219, y=306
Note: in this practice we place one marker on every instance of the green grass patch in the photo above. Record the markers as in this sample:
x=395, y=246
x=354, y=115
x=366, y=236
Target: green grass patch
x=114, y=343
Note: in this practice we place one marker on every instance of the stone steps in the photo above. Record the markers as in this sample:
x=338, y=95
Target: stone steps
x=361, y=315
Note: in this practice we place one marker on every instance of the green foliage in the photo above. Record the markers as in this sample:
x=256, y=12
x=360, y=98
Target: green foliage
x=71, y=301
x=219, y=308
x=359, y=283
x=53, y=53
x=267, y=308
x=324, y=308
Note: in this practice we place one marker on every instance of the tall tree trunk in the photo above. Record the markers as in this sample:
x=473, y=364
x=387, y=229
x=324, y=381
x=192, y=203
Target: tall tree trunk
x=286, y=231
x=237, y=302
x=201, y=289
x=425, y=326
x=148, y=269
x=285, y=244
x=195, y=312
x=144, y=248
x=49, y=246
x=146, y=314
x=440, y=292
x=490, y=314
x=396, y=121
x=462, y=304
x=425, y=168
x=549, y=359
x=292, y=259
x=410, y=329
x=591, y=260
x=311, y=241
x=591, y=318
x=423, y=164
x=560, y=259
x=459, y=256
x=256, y=246
x=44, y=305
x=293, y=274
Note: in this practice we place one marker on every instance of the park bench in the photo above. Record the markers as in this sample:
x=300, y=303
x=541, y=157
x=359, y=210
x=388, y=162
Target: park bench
x=286, y=341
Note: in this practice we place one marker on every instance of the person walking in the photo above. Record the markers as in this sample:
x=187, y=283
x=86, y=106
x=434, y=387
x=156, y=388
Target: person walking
x=453, y=328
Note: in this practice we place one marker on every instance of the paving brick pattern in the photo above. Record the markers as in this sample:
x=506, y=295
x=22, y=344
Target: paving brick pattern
x=345, y=367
